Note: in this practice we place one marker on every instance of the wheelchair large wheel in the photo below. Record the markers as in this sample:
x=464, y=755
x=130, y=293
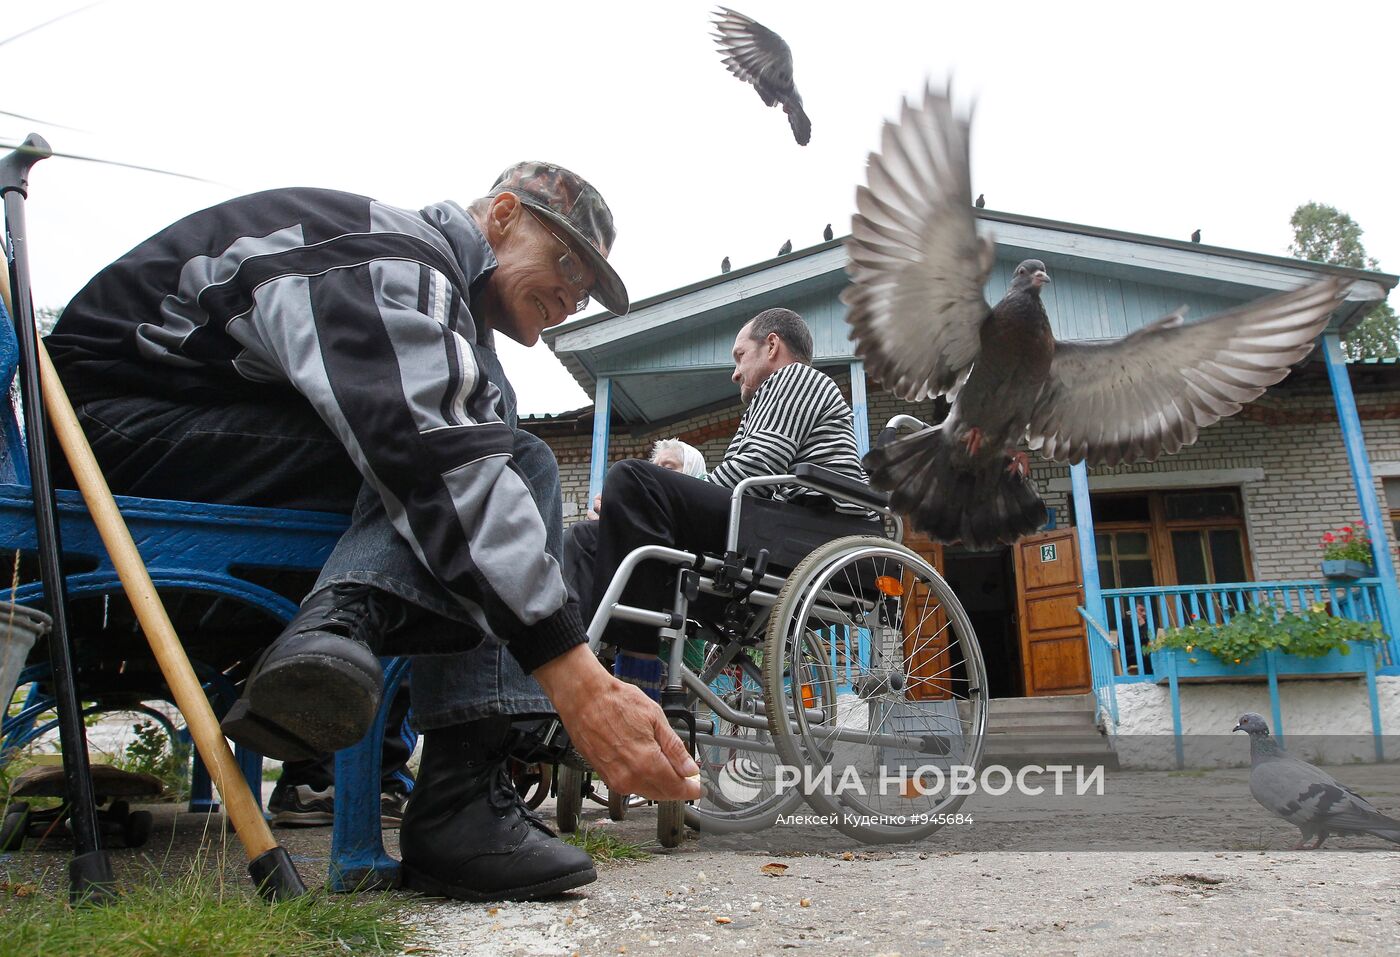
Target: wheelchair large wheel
x=911, y=688
x=738, y=761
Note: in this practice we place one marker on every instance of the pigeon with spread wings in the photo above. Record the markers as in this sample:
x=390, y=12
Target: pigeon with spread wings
x=923, y=327
x=757, y=55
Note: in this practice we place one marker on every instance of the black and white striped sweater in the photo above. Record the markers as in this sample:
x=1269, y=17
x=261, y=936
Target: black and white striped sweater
x=796, y=416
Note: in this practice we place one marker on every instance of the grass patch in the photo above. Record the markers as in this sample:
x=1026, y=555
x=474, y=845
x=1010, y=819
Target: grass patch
x=602, y=846
x=200, y=916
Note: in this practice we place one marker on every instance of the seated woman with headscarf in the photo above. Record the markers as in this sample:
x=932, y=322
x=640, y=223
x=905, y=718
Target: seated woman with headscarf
x=581, y=539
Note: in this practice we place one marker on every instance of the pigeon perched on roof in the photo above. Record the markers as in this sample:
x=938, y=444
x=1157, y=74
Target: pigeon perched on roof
x=1196, y=236
x=724, y=264
x=923, y=327
x=785, y=248
x=981, y=201
x=1307, y=796
x=827, y=233
x=757, y=55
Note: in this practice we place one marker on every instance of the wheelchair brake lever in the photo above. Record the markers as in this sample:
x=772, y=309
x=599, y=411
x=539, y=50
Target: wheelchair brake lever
x=727, y=575
x=760, y=568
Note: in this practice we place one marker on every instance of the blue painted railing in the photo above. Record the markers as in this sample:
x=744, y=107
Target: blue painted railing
x=1120, y=630
x=1131, y=617
x=1102, y=648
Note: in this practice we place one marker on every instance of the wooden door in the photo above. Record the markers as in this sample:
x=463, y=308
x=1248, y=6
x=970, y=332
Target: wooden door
x=926, y=636
x=1054, y=654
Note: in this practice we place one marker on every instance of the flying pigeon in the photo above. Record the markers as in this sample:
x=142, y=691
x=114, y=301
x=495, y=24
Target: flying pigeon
x=1196, y=236
x=785, y=248
x=981, y=201
x=757, y=55
x=724, y=264
x=1307, y=796
x=921, y=324
x=827, y=233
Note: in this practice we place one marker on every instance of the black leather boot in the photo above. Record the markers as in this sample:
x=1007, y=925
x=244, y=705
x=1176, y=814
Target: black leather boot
x=468, y=835
x=318, y=687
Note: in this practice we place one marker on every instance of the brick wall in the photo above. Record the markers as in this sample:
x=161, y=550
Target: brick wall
x=1293, y=438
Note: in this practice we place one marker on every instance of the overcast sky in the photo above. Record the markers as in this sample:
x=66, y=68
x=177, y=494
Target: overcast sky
x=1152, y=118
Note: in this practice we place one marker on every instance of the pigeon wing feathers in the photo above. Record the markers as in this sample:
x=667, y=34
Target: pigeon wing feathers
x=754, y=53
x=1295, y=790
x=916, y=264
x=1154, y=390
x=1313, y=800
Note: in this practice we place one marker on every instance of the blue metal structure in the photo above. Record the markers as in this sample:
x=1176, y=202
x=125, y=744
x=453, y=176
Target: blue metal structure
x=1354, y=440
x=190, y=547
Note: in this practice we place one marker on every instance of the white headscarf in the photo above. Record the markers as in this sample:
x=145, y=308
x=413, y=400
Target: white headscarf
x=692, y=462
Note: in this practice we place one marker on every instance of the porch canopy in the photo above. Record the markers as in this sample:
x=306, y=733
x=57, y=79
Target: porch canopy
x=670, y=356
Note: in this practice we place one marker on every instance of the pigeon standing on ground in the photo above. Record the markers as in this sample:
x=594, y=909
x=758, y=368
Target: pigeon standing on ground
x=757, y=55
x=1307, y=796
x=981, y=200
x=1196, y=236
x=724, y=264
x=785, y=248
x=921, y=324
x=827, y=233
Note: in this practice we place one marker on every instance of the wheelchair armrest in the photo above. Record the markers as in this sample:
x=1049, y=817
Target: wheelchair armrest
x=840, y=486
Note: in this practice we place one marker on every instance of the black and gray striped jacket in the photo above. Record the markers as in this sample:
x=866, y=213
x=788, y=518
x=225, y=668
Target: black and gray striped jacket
x=364, y=309
x=797, y=415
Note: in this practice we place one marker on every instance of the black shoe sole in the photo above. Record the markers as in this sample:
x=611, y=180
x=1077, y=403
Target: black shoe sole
x=425, y=884
x=303, y=705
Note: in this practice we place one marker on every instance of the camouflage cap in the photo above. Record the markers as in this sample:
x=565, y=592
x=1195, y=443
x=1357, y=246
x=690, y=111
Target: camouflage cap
x=570, y=202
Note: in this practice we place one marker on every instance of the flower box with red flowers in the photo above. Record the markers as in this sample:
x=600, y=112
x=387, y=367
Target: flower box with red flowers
x=1346, y=553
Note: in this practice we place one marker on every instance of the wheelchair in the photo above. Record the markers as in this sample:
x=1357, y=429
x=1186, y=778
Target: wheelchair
x=818, y=658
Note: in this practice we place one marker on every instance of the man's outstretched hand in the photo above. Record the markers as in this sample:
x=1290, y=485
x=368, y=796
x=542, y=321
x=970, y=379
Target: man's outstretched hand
x=620, y=731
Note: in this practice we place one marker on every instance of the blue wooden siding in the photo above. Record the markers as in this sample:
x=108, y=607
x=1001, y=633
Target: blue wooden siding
x=1082, y=305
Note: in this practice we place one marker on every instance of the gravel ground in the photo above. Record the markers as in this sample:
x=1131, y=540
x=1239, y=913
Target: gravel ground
x=975, y=889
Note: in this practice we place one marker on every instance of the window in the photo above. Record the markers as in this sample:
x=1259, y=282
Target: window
x=1171, y=537
x=1177, y=537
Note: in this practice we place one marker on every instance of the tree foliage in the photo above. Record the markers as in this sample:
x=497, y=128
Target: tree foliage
x=1325, y=234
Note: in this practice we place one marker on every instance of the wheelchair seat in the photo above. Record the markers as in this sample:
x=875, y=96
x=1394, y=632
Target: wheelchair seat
x=791, y=530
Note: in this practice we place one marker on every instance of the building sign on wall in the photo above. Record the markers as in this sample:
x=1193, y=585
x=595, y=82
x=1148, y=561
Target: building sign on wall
x=1047, y=552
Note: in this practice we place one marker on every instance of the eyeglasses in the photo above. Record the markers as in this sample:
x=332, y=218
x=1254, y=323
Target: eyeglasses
x=569, y=266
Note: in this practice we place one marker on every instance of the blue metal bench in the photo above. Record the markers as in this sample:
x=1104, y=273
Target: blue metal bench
x=222, y=557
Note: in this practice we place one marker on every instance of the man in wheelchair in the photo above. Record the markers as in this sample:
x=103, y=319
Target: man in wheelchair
x=794, y=414
x=304, y=348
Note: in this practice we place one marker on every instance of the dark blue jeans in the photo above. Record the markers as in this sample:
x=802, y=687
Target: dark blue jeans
x=276, y=452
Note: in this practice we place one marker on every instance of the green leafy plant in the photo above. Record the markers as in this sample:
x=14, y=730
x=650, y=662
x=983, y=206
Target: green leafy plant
x=1310, y=634
x=150, y=751
x=1348, y=543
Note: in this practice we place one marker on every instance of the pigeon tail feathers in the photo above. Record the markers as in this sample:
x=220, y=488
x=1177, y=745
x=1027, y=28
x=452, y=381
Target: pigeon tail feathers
x=979, y=506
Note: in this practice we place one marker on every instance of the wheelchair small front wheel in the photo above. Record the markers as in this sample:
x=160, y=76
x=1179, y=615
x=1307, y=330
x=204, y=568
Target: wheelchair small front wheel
x=569, y=785
x=894, y=644
x=670, y=823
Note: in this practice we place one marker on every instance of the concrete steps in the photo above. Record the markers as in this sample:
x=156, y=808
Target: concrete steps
x=1048, y=730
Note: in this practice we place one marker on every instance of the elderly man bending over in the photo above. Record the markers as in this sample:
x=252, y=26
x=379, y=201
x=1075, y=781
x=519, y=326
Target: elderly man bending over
x=794, y=414
x=306, y=348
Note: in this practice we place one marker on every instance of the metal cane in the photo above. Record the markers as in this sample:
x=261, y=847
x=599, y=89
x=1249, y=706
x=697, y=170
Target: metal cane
x=269, y=863
x=90, y=871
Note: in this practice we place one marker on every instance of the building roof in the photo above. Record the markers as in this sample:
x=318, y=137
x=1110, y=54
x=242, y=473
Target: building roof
x=671, y=353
